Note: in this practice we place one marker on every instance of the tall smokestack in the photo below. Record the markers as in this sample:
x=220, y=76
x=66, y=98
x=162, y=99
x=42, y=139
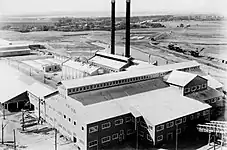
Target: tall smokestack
x=112, y=26
x=127, y=32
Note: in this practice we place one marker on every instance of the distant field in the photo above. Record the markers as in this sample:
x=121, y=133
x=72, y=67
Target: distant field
x=209, y=34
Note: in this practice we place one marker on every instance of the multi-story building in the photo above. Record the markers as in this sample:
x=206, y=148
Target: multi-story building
x=99, y=111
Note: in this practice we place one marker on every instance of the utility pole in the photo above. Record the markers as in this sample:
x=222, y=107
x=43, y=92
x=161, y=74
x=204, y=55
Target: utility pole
x=39, y=111
x=55, y=138
x=14, y=138
x=136, y=128
x=4, y=113
x=2, y=133
x=215, y=135
x=176, y=136
x=22, y=120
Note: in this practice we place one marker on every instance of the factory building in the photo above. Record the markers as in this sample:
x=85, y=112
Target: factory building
x=14, y=50
x=132, y=104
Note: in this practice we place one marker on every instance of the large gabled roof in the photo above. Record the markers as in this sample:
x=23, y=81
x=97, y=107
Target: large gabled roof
x=157, y=106
x=40, y=90
x=112, y=93
x=12, y=82
x=180, y=78
x=213, y=83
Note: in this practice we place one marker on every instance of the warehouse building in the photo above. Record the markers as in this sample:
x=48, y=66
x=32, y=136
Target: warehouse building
x=14, y=50
x=46, y=65
x=13, y=88
x=132, y=104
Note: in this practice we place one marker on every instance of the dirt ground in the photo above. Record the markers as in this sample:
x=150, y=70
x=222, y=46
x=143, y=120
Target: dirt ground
x=34, y=137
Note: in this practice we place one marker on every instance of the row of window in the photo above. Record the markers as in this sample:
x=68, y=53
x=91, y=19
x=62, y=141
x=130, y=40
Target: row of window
x=108, y=124
x=115, y=136
x=195, y=88
x=69, y=119
x=179, y=121
x=141, y=133
x=170, y=124
x=112, y=83
x=160, y=137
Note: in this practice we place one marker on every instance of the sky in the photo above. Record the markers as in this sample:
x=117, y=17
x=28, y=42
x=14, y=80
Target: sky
x=10, y=7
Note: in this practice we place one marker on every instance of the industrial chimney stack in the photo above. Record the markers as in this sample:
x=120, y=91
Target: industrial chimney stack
x=127, y=32
x=112, y=26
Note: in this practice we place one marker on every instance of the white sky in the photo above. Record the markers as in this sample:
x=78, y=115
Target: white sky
x=173, y=6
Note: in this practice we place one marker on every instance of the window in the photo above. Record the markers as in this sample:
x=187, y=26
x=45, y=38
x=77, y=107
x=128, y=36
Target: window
x=93, y=129
x=129, y=131
x=149, y=137
x=82, y=128
x=160, y=128
x=184, y=119
x=198, y=115
x=143, y=124
x=213, y=100
x=115, y=136
x=170, y=124
x=179, y=121
x=141, y=133
x=160, y=138
x=64, y=116
x=198, y=87
x=193, y=88
x=69, y=119
x=192, y=117
x=118, y=122
x=206, y=112
x=187, y=90
x=106, y=125
x=179, y=131
x=128, y=119
x=74, y=122
x=204, y=85
x=93, y=143
x=105, y=139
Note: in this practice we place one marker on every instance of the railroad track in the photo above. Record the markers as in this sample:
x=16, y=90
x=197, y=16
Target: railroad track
x=200, y=60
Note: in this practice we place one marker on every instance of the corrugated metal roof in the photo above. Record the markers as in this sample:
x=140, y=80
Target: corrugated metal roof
x=176, y=66
x=40, y=90
x=33, y=64
x=13, y=82
x=180, y=78
x=113, y=56
x=213, y=83
x=80, y=66
x=157, y=106
x=97, y=96
x=109, y=77
x=113, y=64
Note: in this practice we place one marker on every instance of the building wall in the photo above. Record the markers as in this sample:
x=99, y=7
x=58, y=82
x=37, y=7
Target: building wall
x=69, y=73
x=59, y=114
x=168, y=132
x=52, y=68
x=121, y=130
x=197, y=84
x=14, y=53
